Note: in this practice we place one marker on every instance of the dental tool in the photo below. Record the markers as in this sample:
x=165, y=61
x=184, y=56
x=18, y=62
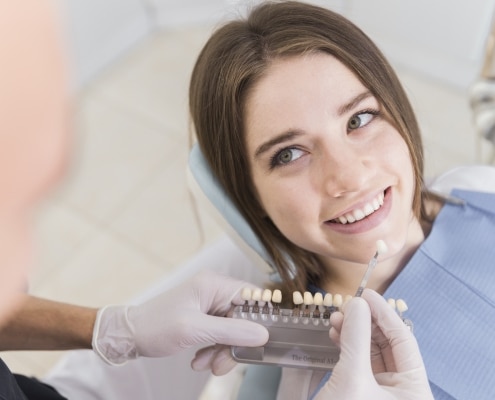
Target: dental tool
x=381, y=248
x=298, y=336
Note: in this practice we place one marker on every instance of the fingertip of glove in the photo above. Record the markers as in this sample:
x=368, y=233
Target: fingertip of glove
x=200, y=364
x=259, y=334
x=357, y=305
x=355, y=302
x=223, y=363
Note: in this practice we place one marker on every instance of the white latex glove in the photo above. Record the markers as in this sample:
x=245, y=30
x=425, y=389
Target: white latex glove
x=190, y=314
x=389, y=366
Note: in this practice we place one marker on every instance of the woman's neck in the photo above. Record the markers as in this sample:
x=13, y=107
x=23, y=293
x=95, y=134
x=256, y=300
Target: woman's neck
x=345, y=277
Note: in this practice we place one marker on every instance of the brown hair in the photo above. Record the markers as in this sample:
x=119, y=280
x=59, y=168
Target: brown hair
x=232, y=62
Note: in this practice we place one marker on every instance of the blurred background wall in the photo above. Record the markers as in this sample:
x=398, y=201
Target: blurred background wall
x=444, y=39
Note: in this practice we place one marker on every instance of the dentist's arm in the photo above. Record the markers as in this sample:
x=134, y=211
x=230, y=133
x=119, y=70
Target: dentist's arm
x=389, y=366
x=41, y=324
x=193, y=313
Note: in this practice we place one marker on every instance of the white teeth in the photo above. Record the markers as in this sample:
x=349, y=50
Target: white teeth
x=368, y=209
x=350, y=218
x=376, y=204
x=359, y=214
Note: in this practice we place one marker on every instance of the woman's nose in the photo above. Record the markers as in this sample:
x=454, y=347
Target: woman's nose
x=343, y=171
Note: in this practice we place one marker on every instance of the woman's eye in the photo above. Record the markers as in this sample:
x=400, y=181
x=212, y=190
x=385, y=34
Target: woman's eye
x=359, y=120
x=286, y=156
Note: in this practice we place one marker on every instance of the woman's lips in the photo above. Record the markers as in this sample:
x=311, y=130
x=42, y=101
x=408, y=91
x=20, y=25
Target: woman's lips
x=365, y=218
x=359, y=213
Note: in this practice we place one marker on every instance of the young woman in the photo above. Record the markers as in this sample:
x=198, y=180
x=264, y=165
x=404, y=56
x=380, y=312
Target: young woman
x=308, y=129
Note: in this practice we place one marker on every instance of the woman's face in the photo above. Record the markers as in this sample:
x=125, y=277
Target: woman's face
x=329, y=170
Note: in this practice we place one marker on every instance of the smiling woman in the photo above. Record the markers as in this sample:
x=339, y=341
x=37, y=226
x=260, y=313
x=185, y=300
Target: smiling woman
x=321, y=130
x=308, y=130
x=337, y=167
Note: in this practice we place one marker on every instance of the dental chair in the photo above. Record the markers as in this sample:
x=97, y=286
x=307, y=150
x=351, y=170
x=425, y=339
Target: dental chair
x=482, y=101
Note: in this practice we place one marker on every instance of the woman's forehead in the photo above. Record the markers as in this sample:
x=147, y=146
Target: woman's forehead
x=308, y=84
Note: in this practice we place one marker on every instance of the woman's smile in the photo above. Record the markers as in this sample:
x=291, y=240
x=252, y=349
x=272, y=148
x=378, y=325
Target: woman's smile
x=363, y=218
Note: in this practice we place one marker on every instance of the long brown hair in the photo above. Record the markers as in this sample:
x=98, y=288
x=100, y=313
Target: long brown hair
x=232, y=62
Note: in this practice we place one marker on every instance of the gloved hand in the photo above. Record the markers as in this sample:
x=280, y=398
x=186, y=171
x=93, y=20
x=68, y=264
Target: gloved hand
x=190, y=314
x=389, y=366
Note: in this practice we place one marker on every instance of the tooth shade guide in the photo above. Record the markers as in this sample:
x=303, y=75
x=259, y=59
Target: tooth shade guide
x=308, y=298
x=276, y=300
x=391, y=303
x=328, y=304
x=337, y=301
x=328, y=300
x=323, y=306
x=267, y=295
x=307, y=338
x=277, y=296
x=256, y=297
x=297, y=298
x=318, y=299
x=246, y=295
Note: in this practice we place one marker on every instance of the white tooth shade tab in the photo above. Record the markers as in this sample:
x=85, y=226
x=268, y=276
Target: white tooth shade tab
x=328, y=300
x=391, y=303
x=246, y=294
x=337, y=300
x=256, y=294
x=381, y=247
x=297, y=298
x=401, y=305
x=277, y=296
x=318, y=299
x=308, y=298
x=267, y=295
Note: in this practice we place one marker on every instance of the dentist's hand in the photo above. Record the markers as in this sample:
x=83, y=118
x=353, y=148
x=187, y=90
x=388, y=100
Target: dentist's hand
x=389, y=366
x=190, y=314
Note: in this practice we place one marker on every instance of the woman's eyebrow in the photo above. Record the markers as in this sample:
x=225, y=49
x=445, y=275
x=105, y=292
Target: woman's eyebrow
x=263, y=148
x=353, y=102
